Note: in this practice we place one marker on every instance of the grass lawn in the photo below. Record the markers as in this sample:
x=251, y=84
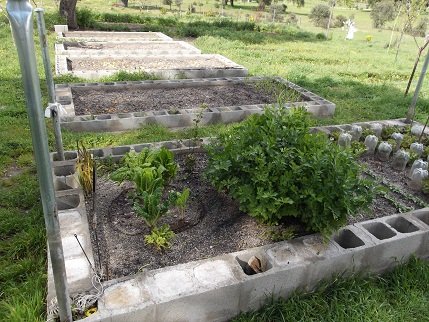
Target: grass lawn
x=359, y=76
x=400, y=295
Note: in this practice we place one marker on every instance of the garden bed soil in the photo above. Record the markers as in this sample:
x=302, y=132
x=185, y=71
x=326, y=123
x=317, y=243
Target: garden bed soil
x=212, y=225
x=148, y=63
x=136, y=99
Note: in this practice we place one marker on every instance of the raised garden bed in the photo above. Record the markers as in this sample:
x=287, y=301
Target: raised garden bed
x=111, y=36
x=146, y=48
x=167, y=67
x=128, y=105
x=372, y=245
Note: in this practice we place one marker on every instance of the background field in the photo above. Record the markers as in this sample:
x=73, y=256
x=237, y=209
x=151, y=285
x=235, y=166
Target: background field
x=360, y=76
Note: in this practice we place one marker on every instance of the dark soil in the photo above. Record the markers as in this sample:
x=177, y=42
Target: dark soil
x=212, y=225
x=136, y=99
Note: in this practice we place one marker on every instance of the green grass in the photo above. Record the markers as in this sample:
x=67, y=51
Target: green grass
x=400, y=295
x=361, y=78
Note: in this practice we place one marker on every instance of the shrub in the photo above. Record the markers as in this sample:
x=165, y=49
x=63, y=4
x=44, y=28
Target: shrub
x=275, y=168
x=339, y=21
x=382, y=13
x=86, y=18
x=320, y=15
x=292, y=19
x=321, y=36
x=419, y=30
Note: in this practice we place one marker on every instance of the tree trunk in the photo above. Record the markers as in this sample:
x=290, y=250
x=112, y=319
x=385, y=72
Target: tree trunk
x=232, y=3
x=331, y=13
x=125, y=2
x=415, y=67
x=68, y=10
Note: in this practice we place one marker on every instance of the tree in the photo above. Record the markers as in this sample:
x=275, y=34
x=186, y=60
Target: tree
x=382, y=13
x=68, y=10
x=299, y=3
x=167, y=3
x=320, y=15
x=179, y=3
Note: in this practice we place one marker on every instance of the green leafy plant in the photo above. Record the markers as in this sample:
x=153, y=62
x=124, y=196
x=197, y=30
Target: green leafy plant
x=160, y=237
x=275, y=168
x=85, y=168
x=162, y=160
x=358, y=148
x=280, y=233
x=147, y=180
x=151, y=206
x=181, y=200
x=387, y=131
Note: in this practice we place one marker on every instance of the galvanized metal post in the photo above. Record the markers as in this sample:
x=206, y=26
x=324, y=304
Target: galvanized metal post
x=412, y=109
x=49, y=81
x=20, y=16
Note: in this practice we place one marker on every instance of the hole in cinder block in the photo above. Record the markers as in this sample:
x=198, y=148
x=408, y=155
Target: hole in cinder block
x=140, y=147
x=139, y=114
x=68, y=202
x=171, y=145
x=64, y=170
x=192, y=143
x=120, y=150
x=103, y=117
x=424, y=216
x=347, y=239
x=85, y=117
x=124, y=115
x=379, y=230
x=252, y=264
x=402, y=225
x=67, y=156
x=60, y=185
x=97, y=153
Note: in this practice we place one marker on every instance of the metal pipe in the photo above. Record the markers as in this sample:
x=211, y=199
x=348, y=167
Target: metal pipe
x=412, y=109
x=20, y=15
x=49, y=81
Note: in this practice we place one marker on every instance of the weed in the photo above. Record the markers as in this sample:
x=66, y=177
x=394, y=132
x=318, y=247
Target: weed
x=85, y=168
x=280, y=233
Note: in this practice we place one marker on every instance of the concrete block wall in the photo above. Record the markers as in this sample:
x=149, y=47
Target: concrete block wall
x=73, y=221
x=226, y=67
x=316, y=105
x=170, y=48
x=217, y=289
x=64, y=34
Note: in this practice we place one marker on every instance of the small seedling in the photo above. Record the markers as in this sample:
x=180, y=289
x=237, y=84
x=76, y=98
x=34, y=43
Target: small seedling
x=182, y=199
x=160, y=237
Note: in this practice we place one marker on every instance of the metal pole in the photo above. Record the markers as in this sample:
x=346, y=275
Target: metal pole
x=49, y=81
x=20, y=15
x=412, y=109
